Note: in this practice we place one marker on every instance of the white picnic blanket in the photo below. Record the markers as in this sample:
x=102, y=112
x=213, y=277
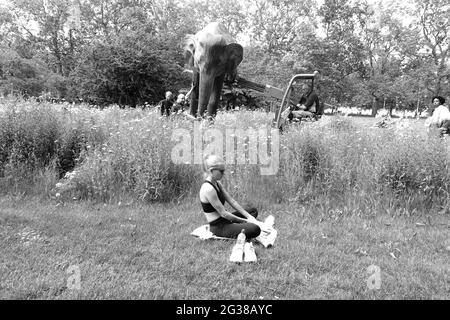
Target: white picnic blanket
x=203, y=233
x=267, y=239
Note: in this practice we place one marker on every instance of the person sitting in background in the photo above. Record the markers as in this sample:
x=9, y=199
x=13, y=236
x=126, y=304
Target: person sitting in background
x=440, y=118
x=308, y=104
x=178, y=106
x=166, y=104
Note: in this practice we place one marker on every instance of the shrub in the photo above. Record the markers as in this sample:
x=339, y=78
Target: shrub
x=129, y=70
x=41, y=138
x=113, y=154
x=28, y=137
x=134, y=160
x=28, y=76
x=339, y=159
x=412, y=166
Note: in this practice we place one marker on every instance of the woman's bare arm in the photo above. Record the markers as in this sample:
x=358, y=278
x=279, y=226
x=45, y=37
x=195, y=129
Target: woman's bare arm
x=211, y=195
x=235, y=204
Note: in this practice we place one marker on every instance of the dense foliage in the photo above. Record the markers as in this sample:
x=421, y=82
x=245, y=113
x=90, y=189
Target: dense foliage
x=127, y=72
x=371, y=54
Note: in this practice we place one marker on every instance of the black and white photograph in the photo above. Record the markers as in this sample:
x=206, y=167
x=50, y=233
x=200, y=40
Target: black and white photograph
x=225, y=157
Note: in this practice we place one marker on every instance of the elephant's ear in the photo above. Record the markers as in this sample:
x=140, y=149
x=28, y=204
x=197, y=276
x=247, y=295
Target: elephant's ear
x=189, y=50
x=235, y=53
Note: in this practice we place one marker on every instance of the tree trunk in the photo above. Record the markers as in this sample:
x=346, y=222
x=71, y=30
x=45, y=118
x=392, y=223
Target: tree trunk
x=376, y=102
x=57, y=53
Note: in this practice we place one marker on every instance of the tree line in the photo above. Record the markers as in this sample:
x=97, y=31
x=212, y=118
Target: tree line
x=370, y=54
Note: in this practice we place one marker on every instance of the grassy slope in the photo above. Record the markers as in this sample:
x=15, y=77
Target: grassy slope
x=146, y=252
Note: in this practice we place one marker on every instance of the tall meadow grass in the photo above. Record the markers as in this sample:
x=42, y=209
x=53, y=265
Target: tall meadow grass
x=339, y=159
x=116, y=154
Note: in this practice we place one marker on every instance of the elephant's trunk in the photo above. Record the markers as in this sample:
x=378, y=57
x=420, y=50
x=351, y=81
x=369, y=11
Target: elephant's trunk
x=205, y=89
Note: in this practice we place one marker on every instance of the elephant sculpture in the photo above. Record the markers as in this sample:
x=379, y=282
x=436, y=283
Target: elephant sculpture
x=214, y=57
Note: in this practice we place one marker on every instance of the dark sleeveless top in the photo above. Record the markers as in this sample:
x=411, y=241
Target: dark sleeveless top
x=208, y=207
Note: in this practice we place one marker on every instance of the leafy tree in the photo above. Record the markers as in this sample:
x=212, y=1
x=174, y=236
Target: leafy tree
x=20, y=75
x=175, y=18
x=386, y=47
x=50, y=17
x=107, y=49
x=130, y=70
x=106, y=19
x=434, y=21
x=342, y=53
x=231, y=13
x=274, y=25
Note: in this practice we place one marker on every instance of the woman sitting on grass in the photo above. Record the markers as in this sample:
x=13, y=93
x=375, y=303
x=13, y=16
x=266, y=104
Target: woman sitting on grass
x=213, y=196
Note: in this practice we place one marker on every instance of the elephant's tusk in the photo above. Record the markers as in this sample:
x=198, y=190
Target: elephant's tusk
x=187, y=95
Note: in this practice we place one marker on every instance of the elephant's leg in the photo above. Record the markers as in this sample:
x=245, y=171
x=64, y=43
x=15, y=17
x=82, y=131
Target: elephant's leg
x=206, y=89
x=194, y=94
x=215, y=96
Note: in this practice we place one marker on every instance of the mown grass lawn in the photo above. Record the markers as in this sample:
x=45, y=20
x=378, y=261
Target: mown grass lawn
x=146, y=252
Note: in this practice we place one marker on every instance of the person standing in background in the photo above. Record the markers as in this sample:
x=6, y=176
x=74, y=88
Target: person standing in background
x=440, y=118
x=166, y=104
